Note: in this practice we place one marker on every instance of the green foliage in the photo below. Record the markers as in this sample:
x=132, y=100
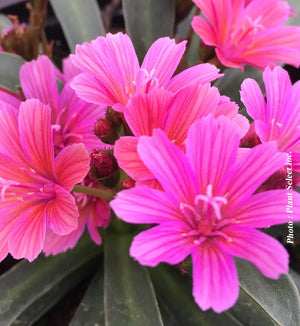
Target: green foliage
x=9, y=71
x=146, y=21
x=295, y=20
x=30, y=289
x=129, y=298
x=79, y=21
x=4, y=22
x=124, y=293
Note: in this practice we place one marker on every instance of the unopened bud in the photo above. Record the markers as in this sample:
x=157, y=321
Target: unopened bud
x=106, y=132
x=102, y=164
x=113, y=117
x=102, y=127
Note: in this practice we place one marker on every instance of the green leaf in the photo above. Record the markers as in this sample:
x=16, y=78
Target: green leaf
x=9, y=71
x=81, y=22
x=57, y=292
x=296, y=278
x=4, y=22
x=91, y=310
x=148, y=20
x=174, y=292
x=263, y=301
x=296, y=5
x=26, y=283
x=129, y=298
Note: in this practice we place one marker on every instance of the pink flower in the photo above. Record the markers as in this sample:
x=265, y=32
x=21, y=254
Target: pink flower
x=173, y=113
x=72, y=119
x=207, y=208
x=112, y=73
x=278, y=119
x=35, y=186
x=249, y=32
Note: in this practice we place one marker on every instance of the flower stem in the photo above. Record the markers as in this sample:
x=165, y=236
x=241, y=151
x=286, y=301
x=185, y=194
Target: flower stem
x=106, y=194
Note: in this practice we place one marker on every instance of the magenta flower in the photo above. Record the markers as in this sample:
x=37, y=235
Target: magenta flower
x=163, y=109
x=249, y=32
x=72, y=119
x=35, y=186
x=112, y=73
x=207, y=208
x=278, y=119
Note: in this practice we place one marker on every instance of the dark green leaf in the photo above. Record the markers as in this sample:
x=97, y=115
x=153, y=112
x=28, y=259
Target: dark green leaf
x=148, y=20
x=263, y=301
x=57, y=292
x=26, y=283
x=9, y=71
x=183, y=28
x=91, y=310
x=129, y=298
x=175, y=293
x=296, y=278
x=81, y=22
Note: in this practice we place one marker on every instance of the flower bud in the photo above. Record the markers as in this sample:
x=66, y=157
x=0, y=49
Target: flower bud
x=102, y=164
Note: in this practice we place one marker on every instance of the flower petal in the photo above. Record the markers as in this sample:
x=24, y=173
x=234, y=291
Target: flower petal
x=72, y=165
x=215, y=281
x=162, y=243
x=279, y=93
x=253, y=99
x=125, y=152
x=250, y=171
x=90, y=89
x=36, y=135
x=69, y=69
x=38, y=81
x=10, y=213
x=145, y=112
x=55, y=244
x=14, y=171
x=97, y=214
x=62, y=213
x=266, y=253
x=200, y=74
x=197, y=101
x=169, y=165
x=10, y=144
x=7, y=99
x=113, y=62
x=145, y=205
x=271, y=12
x=209, y=165
x=28, y=235
x=267, y=208
x=205, y=30
x=163, y=58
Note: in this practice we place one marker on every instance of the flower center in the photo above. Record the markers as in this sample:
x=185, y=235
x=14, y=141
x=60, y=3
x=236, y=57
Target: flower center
x=146, y=80
x=63, y=134
x=204, y=217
